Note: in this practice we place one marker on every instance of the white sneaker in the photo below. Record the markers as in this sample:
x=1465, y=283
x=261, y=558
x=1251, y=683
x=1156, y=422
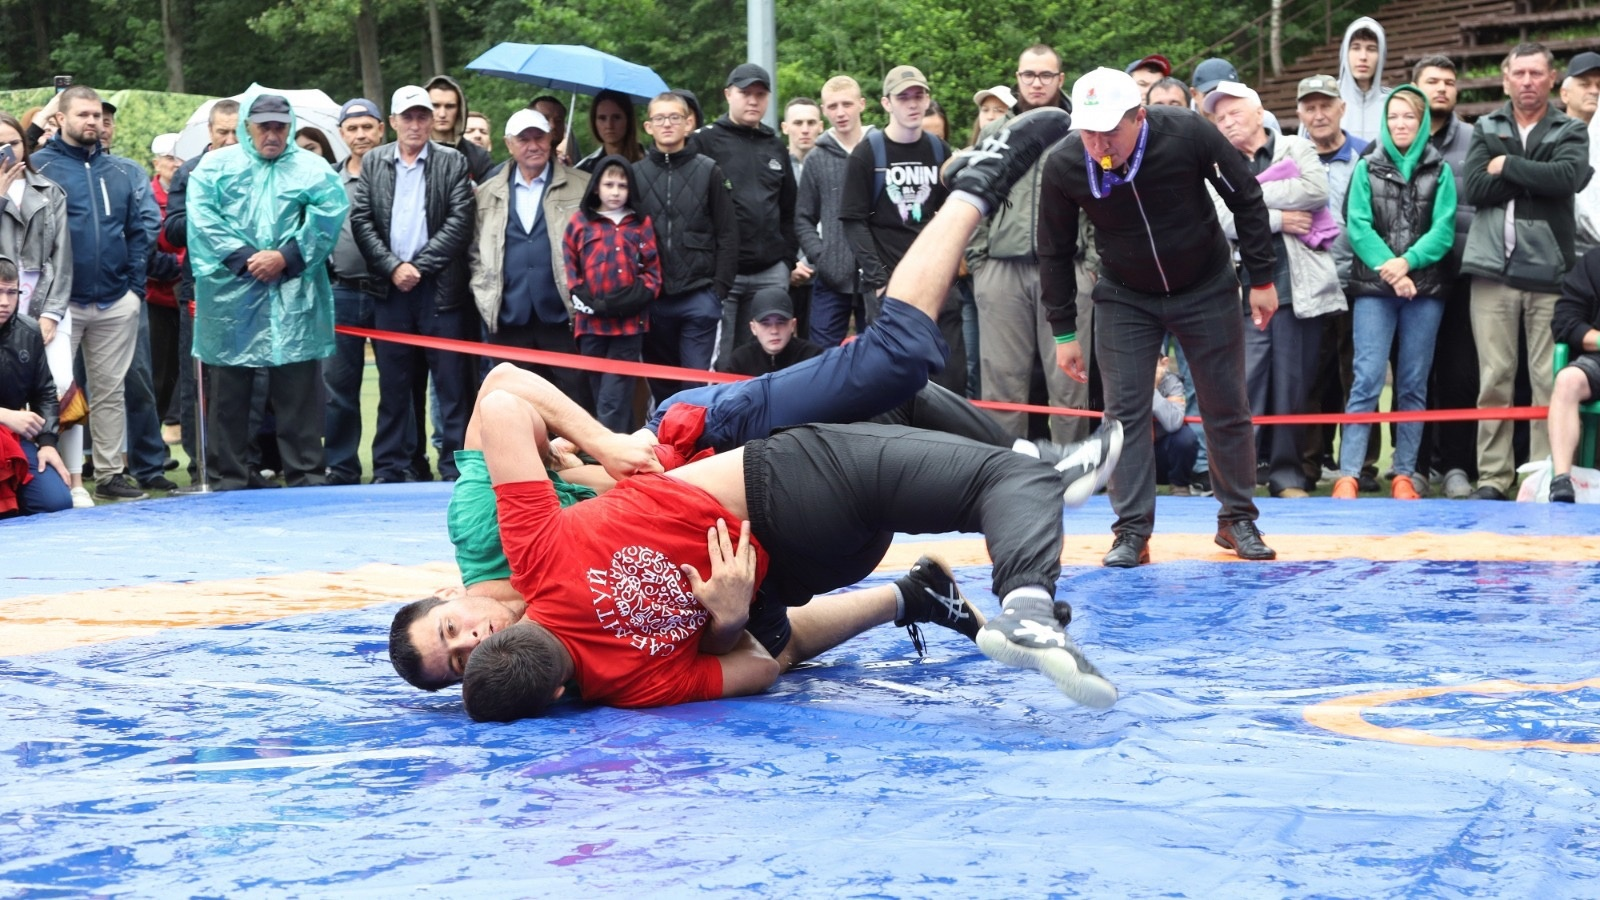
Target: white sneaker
x=81, y=498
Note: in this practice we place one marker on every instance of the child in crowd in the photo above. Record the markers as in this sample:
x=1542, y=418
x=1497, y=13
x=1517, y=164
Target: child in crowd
x=613, y=272
x=1176, y=444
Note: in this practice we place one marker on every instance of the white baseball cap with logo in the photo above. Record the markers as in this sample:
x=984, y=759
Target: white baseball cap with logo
x=1101, y=98
x=408, y=98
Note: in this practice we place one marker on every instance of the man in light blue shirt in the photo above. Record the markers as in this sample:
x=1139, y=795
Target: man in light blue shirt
x=412, y=218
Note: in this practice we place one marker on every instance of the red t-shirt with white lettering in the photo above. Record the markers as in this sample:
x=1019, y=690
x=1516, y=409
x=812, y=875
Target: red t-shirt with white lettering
x=603, y=577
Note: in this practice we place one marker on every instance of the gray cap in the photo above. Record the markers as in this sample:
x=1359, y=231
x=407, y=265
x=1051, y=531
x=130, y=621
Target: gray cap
x=1583, y=63
x=1326, y=85
x=270, y=108
x=746, y=74
x=1213, y=72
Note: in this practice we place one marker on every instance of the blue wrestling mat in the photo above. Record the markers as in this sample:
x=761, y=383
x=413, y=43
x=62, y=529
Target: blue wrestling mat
x=1334, y=727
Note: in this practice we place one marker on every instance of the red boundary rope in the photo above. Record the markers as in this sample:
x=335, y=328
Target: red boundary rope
x=650, y=370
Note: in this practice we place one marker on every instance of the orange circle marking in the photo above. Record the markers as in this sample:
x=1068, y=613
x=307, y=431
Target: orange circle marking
x=1344, y=716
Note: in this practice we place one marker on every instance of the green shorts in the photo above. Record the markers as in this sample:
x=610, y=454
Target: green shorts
x=475, y=525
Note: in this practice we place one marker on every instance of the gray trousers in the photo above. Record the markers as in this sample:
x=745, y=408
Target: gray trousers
x=1209, y=327
x=736, y=307
x=1013, y=335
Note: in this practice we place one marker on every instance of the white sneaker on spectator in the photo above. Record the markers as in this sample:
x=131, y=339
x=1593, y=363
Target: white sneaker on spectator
x=1456, y=484
x=81, y=498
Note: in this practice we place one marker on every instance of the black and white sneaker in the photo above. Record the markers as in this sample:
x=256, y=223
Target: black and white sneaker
x=988, y=170
x=929, y=594
x=1028, y=635
x=1085, y=467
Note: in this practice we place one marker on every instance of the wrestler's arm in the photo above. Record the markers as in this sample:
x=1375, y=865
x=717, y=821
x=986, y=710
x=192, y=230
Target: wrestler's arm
x=747, y=668
x=621, y=454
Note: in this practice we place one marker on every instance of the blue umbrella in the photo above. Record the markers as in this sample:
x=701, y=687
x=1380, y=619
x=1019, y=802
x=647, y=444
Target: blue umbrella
x=568, y=67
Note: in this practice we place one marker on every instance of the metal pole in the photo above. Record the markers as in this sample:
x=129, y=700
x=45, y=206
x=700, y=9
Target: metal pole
x=201, y=484
x=761, y=18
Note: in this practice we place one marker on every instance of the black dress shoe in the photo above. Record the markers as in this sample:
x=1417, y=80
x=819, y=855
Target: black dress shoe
x=1127, y=550
x=1242, y=538
x=1487, y=492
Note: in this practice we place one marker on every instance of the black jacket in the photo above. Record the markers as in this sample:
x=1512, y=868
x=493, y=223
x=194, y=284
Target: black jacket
x=756, y=163
x=1402, y=212
x=697, y=229
x=450, y=210
x=753, y=359
x=25, y=381
x=1578, y=308
x=1159, y=235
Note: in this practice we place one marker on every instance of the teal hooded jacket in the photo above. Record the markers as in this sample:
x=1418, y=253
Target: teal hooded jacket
x=241, y=203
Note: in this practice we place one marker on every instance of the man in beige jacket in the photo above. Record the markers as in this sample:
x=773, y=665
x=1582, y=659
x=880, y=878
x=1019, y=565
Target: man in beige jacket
x=518, y=274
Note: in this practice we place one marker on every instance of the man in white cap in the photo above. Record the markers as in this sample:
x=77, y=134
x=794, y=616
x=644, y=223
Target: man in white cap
x=519, y=277
x=412, y=219
x=1281, y=360
x=1139, y=173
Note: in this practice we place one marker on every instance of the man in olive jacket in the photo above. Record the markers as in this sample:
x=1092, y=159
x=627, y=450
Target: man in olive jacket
x=1524, y=165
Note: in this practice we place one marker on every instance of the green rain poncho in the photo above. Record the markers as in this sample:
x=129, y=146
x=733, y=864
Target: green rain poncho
x=238, y=200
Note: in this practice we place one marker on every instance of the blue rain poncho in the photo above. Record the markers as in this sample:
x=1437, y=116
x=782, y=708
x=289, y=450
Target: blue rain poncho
x=240, y=201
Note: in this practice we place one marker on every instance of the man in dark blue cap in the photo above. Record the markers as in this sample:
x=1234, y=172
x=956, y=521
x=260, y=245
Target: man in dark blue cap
x=355, y=291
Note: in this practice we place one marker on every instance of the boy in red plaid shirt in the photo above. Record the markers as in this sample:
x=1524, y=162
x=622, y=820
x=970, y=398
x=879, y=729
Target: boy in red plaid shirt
x=614, y=273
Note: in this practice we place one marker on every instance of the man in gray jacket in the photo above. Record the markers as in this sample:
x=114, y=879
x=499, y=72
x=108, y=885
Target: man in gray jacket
x=1524, y=166
x=1013, y=335
x=836, y=287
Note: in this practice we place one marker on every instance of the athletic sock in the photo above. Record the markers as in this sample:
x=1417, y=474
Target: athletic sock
x=973, y=199
x=899, y=603
x=1027, y=593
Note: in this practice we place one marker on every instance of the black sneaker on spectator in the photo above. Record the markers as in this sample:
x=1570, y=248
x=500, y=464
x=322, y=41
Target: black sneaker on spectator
x=119, y=486
x=999, y=161
x=1561, y=490
x=159, y=483
x=928, y=593
x=1028, y=635
x=1368, y=482
x=1200, y=482
x=1486, y=492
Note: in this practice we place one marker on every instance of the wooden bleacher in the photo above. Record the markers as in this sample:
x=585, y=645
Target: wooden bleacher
x=1474, y=33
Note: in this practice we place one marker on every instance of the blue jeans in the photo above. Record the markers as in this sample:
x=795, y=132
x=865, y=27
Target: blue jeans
x=1373, y=326
x=613, y=394
x=341, y=374
x=45, y=492
x=830, y=314
x=683, y=332
x=883, y=368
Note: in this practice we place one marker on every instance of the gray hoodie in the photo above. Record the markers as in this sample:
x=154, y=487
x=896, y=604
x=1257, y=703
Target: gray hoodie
x=1363, y=110
x=816, y=216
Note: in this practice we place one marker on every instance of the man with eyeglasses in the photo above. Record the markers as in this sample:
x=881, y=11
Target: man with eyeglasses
x=690, y=205
x=1014, y=338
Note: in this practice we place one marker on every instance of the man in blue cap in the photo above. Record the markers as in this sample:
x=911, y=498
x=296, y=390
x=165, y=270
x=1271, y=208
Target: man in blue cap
x=263, y=217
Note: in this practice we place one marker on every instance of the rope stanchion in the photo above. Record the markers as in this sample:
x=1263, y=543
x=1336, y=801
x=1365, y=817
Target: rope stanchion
x=674, y=373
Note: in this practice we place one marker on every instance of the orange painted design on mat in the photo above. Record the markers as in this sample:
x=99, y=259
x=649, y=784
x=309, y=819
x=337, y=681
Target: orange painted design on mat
x=34, y=624
x=53, y=621
x=1344, y=716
